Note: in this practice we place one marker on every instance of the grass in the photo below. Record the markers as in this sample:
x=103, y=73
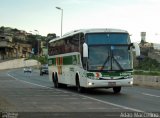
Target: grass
x=151, y=73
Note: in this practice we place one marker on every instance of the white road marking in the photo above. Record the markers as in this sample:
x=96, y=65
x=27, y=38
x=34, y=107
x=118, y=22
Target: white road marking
x=100, y=108
x=124, y=107
x=29, y=82
x=105, y=102
x=151, y=95
x=72, y=98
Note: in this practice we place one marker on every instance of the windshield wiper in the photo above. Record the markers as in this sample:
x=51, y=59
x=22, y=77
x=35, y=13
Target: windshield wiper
x=117, y=63
x=105, y=62
x=112, y=57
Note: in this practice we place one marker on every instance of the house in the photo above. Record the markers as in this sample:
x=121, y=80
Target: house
x=23, y=50
x=6, y=47
x=9, y=50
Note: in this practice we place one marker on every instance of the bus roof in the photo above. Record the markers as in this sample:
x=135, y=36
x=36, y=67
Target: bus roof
x=102, y=30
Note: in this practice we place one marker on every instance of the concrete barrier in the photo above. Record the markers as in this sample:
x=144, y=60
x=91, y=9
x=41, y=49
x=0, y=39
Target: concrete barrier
x=143, y=80
x=17, y=63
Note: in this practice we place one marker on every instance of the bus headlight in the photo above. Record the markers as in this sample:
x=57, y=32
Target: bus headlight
x=131, y=82
x=90, y=83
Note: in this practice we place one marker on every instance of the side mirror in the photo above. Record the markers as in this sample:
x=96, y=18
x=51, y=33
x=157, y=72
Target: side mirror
x=85, y=50
x=85, y=55
x=136, y=49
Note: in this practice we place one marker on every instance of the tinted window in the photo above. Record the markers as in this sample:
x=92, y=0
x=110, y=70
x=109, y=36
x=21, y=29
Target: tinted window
x=107, y=38
x=66, y=45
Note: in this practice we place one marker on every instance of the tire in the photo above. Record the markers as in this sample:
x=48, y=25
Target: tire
x=79, y=88
x=116, y=89
x=56, y=83
x=40, y=73
x=54, y=80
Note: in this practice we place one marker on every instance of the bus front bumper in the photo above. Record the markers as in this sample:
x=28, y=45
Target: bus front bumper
x=109, y=83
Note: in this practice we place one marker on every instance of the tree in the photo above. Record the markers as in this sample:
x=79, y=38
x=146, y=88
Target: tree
x=51, y=36
x=43, y=59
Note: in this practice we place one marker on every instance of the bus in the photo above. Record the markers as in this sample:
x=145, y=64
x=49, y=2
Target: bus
x=92, y=58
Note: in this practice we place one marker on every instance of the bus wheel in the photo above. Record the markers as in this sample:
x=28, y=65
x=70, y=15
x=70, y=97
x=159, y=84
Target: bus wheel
x=55, y=81
x=53, y=77
x=79, y=88
x=116, y=89
x=41, y=74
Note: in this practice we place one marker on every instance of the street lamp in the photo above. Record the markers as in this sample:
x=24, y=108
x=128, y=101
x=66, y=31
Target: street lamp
x=61, y=17
x=38, y=40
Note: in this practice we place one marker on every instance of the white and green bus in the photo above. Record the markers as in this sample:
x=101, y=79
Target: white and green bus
x=92, y=58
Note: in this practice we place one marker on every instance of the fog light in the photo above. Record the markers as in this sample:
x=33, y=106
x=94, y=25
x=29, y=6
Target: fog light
x=131, y=82
x=90, y=83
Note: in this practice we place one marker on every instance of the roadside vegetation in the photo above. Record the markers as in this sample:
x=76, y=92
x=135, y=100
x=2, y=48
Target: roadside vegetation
x=147, y=66
x=41, y=59
x=141, y=72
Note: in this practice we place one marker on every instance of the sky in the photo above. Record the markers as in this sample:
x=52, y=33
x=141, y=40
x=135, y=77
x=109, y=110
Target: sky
x=135, y=16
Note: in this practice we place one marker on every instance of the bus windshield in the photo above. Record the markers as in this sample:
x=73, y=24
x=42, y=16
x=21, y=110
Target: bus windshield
x=107, y=38
x=109, y=53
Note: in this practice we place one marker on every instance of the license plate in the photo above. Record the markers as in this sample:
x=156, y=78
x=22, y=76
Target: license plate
x=111, y=83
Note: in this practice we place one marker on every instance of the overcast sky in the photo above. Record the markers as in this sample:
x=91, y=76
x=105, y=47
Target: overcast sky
x=135, y=16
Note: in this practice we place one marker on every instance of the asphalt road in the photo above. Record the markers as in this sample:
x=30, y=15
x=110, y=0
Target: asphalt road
x=25, y=92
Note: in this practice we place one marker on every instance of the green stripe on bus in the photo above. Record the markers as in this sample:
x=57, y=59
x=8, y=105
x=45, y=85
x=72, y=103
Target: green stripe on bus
x=110, y=74
x=67, y=60
x=116, y=74
x=90, y=75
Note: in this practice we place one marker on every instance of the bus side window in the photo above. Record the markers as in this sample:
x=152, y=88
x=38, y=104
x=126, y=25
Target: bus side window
x=66, y=46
